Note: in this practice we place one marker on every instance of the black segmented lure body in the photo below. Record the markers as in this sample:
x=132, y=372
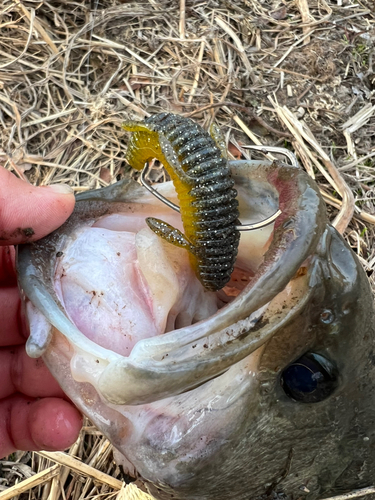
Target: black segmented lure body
x=201, y=176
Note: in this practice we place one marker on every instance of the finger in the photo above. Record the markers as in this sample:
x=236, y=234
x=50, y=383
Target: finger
x=44, y=424
x=28, y=213
x=7, y=266
x=12, y=327
x=31, y=377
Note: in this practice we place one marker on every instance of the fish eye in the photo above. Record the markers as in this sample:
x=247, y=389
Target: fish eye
x=309, y=379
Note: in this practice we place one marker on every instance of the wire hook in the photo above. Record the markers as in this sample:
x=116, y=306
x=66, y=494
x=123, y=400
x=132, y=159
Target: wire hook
x=275, y=149
x=242, y=227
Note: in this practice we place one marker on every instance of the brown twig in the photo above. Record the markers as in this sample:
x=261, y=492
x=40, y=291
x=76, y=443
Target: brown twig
x=31, y=482
x=182, y=19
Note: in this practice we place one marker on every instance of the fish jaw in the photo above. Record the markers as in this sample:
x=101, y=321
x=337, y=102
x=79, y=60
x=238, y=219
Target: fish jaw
x=228, y=414
x=241, y=424
x=177, y=361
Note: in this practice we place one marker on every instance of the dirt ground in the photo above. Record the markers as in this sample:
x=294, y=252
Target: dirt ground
x=297, y=74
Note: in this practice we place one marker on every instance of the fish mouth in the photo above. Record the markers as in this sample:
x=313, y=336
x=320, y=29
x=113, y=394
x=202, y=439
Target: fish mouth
x=214, y=396
x=178, y=336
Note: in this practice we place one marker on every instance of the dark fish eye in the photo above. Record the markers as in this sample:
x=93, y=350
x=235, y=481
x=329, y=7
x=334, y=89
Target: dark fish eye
x=309, y=379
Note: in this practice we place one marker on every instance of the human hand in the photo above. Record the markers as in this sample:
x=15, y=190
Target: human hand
x=33, y=412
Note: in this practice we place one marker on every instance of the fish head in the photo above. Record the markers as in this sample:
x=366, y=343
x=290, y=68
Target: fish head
x=316, y=384
x=263, y=388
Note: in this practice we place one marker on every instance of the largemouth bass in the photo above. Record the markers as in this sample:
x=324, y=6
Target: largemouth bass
x=262, y=390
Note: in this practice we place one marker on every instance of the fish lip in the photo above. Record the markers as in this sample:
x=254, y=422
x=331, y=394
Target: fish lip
x=147, y=374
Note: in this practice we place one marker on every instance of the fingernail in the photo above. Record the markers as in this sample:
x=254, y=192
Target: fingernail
x=60, y=188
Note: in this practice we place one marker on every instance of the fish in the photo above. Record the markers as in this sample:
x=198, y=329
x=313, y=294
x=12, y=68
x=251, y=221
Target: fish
x=262, y=390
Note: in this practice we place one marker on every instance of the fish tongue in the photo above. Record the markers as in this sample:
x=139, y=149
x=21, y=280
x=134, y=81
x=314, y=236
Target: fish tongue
x=119, y=287
x=177, y=297
x=163, y=273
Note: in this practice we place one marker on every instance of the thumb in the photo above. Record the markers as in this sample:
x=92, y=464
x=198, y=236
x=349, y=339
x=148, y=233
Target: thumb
x=28, y=213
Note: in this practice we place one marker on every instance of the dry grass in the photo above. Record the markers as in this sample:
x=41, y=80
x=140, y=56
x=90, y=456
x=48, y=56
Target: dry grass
x=295, y=74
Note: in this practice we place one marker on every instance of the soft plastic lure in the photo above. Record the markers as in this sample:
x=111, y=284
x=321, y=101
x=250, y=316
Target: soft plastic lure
x=198, y=167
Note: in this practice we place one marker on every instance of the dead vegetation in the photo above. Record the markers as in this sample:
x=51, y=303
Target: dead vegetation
x=294, y=74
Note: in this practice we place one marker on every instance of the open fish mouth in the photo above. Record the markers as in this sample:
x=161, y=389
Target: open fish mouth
x=193, y=386
x=113, y=287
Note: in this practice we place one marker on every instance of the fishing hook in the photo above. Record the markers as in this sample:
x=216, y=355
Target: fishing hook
x=242, y=227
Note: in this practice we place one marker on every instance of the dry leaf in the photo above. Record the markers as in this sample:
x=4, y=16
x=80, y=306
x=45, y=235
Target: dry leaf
x=105, y=175
x=234, y=151
x=279, y=13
